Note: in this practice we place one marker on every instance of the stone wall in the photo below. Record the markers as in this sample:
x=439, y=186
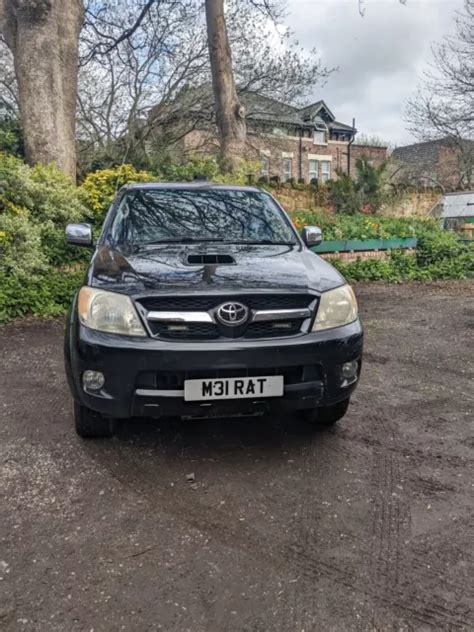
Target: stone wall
x=294, y=199
x=412, y=204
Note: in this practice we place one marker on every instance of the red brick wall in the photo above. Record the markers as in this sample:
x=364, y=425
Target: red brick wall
x=376, y=155
x=275, y=146
x=350, y=257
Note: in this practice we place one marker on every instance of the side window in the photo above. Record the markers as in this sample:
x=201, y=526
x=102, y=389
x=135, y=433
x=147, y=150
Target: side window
x=313, y=170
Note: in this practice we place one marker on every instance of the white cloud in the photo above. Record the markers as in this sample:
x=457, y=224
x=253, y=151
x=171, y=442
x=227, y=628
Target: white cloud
x=380, y=56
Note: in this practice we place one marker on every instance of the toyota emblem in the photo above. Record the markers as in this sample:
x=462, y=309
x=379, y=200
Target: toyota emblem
x=232, y=314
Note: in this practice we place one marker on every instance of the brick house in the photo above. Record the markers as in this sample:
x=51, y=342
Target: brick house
x=446, y=162
x=302, y=143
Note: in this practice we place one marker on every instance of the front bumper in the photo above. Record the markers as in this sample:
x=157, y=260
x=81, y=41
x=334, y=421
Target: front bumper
x=136, y=369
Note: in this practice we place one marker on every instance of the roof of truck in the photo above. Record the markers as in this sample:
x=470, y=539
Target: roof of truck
x=197, y=184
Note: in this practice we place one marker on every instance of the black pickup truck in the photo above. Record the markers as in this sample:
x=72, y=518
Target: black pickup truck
x=203, y=300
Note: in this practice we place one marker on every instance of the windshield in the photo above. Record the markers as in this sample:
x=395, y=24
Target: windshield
x=161, y=215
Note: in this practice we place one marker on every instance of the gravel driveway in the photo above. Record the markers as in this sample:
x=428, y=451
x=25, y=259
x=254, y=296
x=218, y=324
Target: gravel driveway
x=365, y=527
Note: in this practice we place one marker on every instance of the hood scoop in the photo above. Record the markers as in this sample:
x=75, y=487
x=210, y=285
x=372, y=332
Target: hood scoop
x=209, y=259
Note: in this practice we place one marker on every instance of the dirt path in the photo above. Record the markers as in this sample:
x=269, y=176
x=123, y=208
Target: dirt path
x=367, y=527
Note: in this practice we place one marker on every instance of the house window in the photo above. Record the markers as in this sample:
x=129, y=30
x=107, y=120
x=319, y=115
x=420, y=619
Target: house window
x=313, y=170
x=265, y=160
x=287, y=168
x=325, y=170
x=319, y=137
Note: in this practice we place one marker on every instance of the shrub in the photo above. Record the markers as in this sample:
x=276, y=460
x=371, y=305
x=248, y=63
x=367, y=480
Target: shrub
x=361, y=226
x=35, y=204
x=49, y=296
x=400, y=266
x=99, y=188
x=370, y=184
x=343, y=195
x=366, y=193
x=11, y=135
x=439, y=254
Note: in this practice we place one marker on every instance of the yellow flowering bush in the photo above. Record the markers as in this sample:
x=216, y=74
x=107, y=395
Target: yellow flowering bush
x=99, y=188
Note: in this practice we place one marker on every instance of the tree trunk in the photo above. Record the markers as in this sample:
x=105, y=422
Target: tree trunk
x=230, y=115
x=43, y=37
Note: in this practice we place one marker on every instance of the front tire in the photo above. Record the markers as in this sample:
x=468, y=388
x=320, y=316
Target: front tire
x=327, y=415
x=90, y=424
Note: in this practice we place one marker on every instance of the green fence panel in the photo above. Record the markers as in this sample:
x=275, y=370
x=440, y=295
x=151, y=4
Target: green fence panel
x=354, y=245
x=390, y=244
x=336, y=245
x=364, y=245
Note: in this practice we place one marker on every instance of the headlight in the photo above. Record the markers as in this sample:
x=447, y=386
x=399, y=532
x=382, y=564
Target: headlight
x=336, y=307
x=108, y=311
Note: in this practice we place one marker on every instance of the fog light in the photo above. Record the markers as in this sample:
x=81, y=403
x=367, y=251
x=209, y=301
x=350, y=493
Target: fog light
x=349, y=369
x=93, y=380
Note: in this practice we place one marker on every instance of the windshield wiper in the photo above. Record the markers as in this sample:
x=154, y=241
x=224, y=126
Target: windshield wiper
x=183, y=240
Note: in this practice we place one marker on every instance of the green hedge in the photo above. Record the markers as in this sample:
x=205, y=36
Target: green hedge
x=49, y=296
x=38, y=271
x=401, y=267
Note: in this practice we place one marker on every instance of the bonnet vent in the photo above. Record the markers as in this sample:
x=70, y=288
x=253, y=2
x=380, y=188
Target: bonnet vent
x=210, y=259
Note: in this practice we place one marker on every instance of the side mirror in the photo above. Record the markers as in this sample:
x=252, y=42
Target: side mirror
x=312, y=235
x=79, y=234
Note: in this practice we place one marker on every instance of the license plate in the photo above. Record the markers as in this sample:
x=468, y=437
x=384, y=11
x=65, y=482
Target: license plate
x=233, y=388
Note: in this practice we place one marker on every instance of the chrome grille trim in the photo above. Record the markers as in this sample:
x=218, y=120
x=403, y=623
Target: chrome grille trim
x=181, y=317
x=263, y=315
x=208, y=317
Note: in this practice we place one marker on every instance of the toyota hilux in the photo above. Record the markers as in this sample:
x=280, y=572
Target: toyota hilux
x=203, y=300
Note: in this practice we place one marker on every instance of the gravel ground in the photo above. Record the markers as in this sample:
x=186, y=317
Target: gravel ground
x=365, y=527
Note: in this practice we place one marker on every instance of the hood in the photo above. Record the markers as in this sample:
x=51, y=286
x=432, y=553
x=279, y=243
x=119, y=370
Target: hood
x=166, y=268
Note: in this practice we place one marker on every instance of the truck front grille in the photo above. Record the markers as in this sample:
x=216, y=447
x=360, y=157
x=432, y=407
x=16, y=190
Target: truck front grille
x=168, y=303
x=198, y=316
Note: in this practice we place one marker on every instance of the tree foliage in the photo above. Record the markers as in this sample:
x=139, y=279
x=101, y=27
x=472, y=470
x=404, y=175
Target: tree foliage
x=365, y=193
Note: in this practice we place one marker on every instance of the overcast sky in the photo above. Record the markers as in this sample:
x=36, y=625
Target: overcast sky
x=380, y=56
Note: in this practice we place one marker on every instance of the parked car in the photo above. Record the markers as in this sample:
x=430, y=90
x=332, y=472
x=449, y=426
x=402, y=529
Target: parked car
x=203, y=300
